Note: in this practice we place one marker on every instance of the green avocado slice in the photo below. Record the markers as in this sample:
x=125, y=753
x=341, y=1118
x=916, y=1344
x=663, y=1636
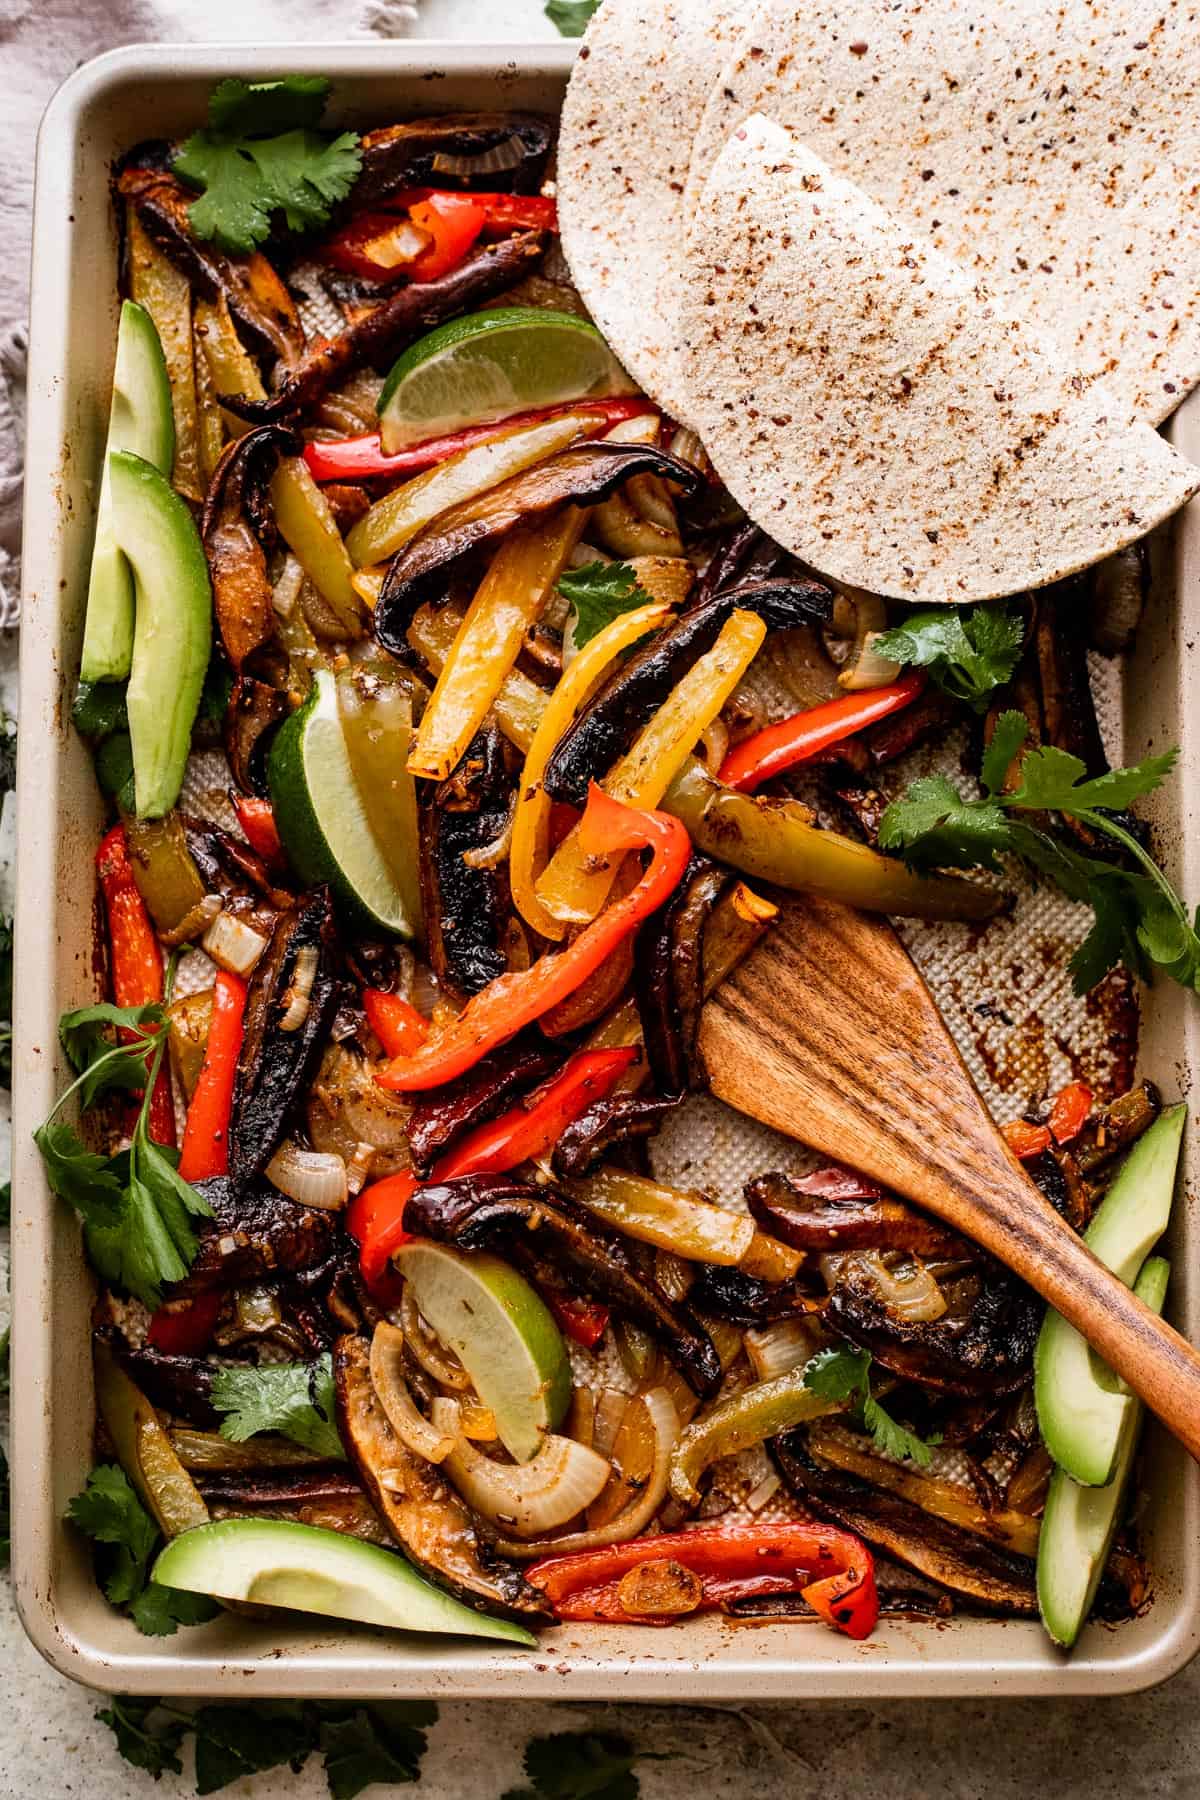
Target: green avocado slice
x=1081, y=1405
x=274, y=1562
x=141, y=420
x=173, y=630
x=1079, y=1523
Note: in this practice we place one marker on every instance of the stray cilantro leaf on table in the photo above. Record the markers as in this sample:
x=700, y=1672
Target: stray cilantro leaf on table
x=1138, y=918
x=154, y=1751
x=260, y=155
x=109, y=1512
x=599, y=593
x=294, y=1399
x=844, y=1374
x=235, y=1741
x=579, y=1765
x=382, y=1744
x=570, y=17
x=969, y=652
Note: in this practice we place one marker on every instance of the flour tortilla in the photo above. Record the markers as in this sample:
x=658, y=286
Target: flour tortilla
x=877, y=414
x=634, y=101
x=1053, y=150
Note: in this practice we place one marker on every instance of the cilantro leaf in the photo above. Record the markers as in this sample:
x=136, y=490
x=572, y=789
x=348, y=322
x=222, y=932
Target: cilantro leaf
x=76, y=1174
x=969, y=652
x=295, y=1399
x=579, y=1765
x=383, y=1743
x=159, y=1611
x=844, y=1374
x=234, y=1741
x=109, y=1511
x=261, y=108
x=570, y=17
x=599, y=593
x=932, y=826
x=154, y=1751
x=1011, y=730
x=103, y=1064
x=99, y=709
x=1052, y=780
x=261, y=154
x=5, y=1372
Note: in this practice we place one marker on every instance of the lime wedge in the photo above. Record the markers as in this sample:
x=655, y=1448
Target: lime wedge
x=321, y=817
x=502, y=1333
x=490, y=364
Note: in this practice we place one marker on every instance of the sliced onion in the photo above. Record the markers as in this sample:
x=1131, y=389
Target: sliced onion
x=673, y=1274
x=527, y=1498
x=286, y=591
x=687, y=447
x=775, y=1349
x=715, y=743
x=909, y=1291
x=637, y=1515
x=868, y=669
x=490, y=856
x=611, y=1407
x=346, y=1108
x=310, y=1177
x=433, y=1357
x=391, y=1391
x=508, y=154
x=194, y=923
x=766, y=1491
x=358, y=1169
x=862, y=617
x=233, y=945
x=296, y=998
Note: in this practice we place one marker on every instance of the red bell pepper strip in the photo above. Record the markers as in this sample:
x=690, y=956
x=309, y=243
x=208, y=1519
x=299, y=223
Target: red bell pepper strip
x=376, y=1216
x=205, y=1149
x=502, y=212
x=185, y=1330
x=362, y=458
x=135, y=959
x=257, y=820
x=513, y=1001
x=583, y=1321
x=400, y=1028
x=1069, y=1113
x=453, y=222
x=1025, y=1139
x=807, y=733
x=832, y=1569
x=376, y=245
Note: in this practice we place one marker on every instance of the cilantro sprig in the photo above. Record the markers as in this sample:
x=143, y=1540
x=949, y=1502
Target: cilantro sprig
x=570, y=17
x=261, y=155
x=968, y=652
x=844, y=1374
x=294, y=1399
x=361, y=1745
x=1138, y=918
x=110, y=1513
x=599, y=593
x=136, y=1207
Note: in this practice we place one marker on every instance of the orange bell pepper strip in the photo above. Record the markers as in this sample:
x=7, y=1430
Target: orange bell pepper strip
x=135, y=959
x=1025, y=1139
x=400, y=1028
x=205, y=1149
x=513, y=1001
x=832, y=1569
x=257, y=820
x=756, y=759
x=376, y=1216
x=1069, y=1113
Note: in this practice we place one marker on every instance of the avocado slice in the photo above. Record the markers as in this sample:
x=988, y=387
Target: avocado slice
x=141, y=420
x=1079, y=1523
x=1080, y=1403
x=173, y=632
x=275, y=1562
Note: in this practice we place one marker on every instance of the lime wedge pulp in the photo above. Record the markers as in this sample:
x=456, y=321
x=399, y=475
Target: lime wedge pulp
x=321, y=816
x=506, y=360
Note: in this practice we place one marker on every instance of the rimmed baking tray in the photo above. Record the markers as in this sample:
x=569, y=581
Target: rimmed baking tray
x=158, y=91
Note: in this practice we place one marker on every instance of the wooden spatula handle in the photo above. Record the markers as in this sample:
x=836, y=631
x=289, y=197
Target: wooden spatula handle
x=828, y=1033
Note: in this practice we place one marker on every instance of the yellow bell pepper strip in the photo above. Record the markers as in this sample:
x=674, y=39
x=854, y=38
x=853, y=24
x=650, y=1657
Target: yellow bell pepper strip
x=399, y=516
x=574, y=887
x=512, y=1001
x=231, y=368
x=143, y=1448
x=773, y=840
x=509, y=599
x=779, y=747
x=530, y=847
x=307, y=525
x=669, y=1218
x=166, y=294
x=518, y=706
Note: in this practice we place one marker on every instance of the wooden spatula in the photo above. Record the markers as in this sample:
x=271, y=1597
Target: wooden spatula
x=828, y=1033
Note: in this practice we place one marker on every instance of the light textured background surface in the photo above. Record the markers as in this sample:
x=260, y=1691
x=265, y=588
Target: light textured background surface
x=49, y=1746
